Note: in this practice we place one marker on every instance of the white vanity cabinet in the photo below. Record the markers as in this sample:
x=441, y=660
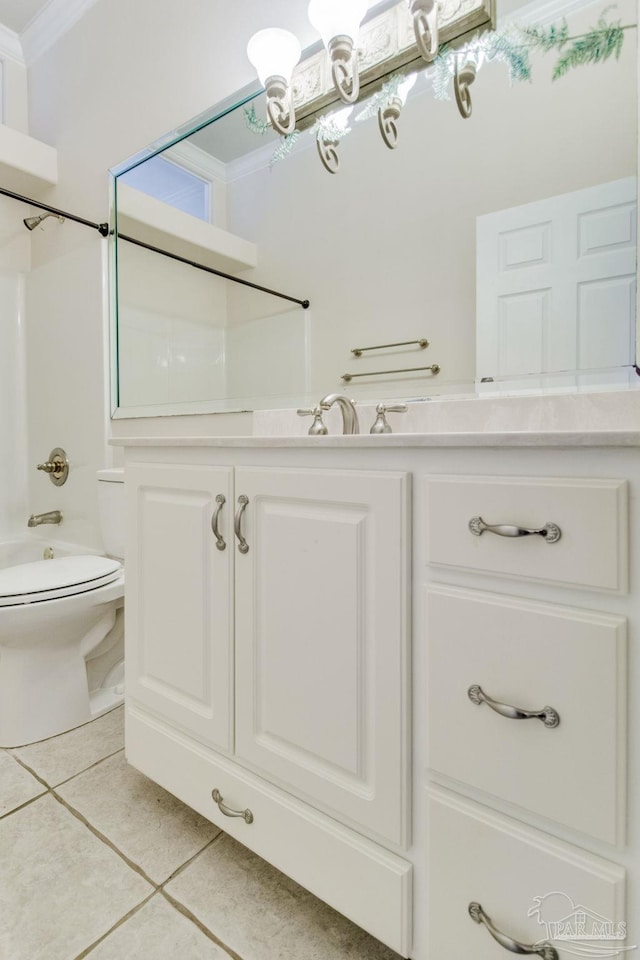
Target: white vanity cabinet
x=401, y=781
x=268, y=650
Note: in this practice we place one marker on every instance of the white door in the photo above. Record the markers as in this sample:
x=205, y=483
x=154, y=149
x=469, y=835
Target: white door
x=179, y=610
x=322, y=640
x=556, y=286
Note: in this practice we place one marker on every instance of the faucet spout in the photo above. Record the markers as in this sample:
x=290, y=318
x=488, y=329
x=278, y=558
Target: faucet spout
x=350, y=422
x=53, y=516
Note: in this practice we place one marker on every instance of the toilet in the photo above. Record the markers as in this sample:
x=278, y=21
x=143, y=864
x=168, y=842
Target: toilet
x=60, y=620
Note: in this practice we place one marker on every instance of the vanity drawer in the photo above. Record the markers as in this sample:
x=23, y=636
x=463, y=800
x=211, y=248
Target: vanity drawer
x=591, y=514
x=525, y=881
x=359, y=878
x=532, y=656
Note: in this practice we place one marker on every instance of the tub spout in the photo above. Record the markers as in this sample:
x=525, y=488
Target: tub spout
x=54, y=516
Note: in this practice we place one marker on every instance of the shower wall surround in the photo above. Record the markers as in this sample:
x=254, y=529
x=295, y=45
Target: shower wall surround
x=14, y=265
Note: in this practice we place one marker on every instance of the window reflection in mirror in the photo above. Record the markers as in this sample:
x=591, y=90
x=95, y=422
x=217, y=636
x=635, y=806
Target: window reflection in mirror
x=507, y=240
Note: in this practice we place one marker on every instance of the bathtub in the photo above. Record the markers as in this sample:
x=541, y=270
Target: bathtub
x=30, y=549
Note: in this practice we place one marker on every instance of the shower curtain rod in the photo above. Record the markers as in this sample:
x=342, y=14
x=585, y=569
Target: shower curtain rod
x=103, y=230
x=218, y=273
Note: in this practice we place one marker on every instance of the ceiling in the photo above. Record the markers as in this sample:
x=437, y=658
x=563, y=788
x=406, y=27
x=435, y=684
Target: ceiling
x=18, y=14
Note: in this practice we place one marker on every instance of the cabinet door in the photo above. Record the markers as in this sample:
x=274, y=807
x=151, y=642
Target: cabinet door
x=322, y=653
x=179, y=606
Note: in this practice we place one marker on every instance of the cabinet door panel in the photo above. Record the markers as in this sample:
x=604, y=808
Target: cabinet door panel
x=322, y=639
x=179, y=605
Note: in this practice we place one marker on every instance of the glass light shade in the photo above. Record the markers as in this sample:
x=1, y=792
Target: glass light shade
x=274, y=53
x=337, y=18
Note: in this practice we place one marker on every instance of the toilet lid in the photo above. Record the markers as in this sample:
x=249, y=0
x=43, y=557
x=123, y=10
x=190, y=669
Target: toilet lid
x=60, y=577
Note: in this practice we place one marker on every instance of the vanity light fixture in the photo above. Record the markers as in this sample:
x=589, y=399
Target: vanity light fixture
x=338, y=22
x=389, y=115
x=274, y=53
x=330, y=131
x=425, y=26
x=379, y=57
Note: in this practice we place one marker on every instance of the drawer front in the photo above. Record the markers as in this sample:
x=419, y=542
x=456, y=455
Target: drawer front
x=531, y=656
x=591, y=514
x=357, y=877
x=532, y=887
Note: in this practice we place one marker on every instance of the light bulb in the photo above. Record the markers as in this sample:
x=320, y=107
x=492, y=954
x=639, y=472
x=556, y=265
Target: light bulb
x=274, y=53
x=337, y=18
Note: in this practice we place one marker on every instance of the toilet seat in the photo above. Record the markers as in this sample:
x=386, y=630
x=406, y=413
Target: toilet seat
x=52, y=579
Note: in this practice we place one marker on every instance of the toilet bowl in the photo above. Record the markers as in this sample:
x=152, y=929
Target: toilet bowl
x=54, y=615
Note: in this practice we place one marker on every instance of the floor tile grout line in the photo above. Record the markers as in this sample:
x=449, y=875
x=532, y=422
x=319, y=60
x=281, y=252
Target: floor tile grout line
x=30, y=770
x=101, y=836
x=187, y=863
x=127, y=916
x=53, y=786
x=21, y=806
x=131, y=863
x=180, y=907
x=91, y=766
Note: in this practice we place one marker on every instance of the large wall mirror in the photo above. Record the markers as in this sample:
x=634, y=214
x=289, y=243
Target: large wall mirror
x=506, y=242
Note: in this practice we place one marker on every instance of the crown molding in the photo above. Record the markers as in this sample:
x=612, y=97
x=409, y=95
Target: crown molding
x=49, y=26
x=10, y=45
x=196, y=160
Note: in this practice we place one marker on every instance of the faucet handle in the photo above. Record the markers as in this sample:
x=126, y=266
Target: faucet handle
x=317, y=428
x=57, y=466
x=380, y=425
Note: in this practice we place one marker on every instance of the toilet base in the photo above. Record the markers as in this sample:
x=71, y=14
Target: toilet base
x=44, y=653
x=106, y=699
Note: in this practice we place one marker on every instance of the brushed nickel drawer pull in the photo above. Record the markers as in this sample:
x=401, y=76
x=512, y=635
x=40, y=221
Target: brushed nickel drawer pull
x=245, y=815
x=243, y=546
x=550, y=533
x=549, y=716
x=220, y=542
x=544, y=949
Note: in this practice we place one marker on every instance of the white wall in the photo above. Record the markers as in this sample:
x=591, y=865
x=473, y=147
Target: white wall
x=386, y=250
x=125, y=74
x=66, y=383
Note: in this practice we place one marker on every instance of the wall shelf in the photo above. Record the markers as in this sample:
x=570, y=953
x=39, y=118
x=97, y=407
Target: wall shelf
x=26, y=163
x=156, y=223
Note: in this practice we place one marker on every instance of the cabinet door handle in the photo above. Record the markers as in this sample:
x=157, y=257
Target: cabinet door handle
x=543, y=949
x=550, y=533
x=245, y=815
x=215, y=519
x=548, y=715
x=243, y=546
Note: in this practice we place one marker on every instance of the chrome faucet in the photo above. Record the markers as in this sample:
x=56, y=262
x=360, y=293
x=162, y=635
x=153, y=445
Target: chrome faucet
x=54, y=516
x=350, y=422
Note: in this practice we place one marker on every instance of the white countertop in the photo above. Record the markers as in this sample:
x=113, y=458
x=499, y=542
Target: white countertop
x=608, y=419
x=523, y=438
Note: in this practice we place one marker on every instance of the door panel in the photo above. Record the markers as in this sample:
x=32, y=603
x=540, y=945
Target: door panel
x=179, y=603
x=322, y=639
x=556, y=285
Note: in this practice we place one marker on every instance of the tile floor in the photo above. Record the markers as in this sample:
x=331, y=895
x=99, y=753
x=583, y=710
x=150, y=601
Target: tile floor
x=97, y=861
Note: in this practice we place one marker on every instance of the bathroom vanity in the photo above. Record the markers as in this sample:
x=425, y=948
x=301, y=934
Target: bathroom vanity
x=422, y=720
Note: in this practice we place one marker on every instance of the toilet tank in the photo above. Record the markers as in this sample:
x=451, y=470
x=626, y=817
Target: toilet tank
x=112, y=510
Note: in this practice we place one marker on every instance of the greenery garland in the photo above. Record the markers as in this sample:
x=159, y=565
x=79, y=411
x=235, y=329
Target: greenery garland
x=510, y=46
